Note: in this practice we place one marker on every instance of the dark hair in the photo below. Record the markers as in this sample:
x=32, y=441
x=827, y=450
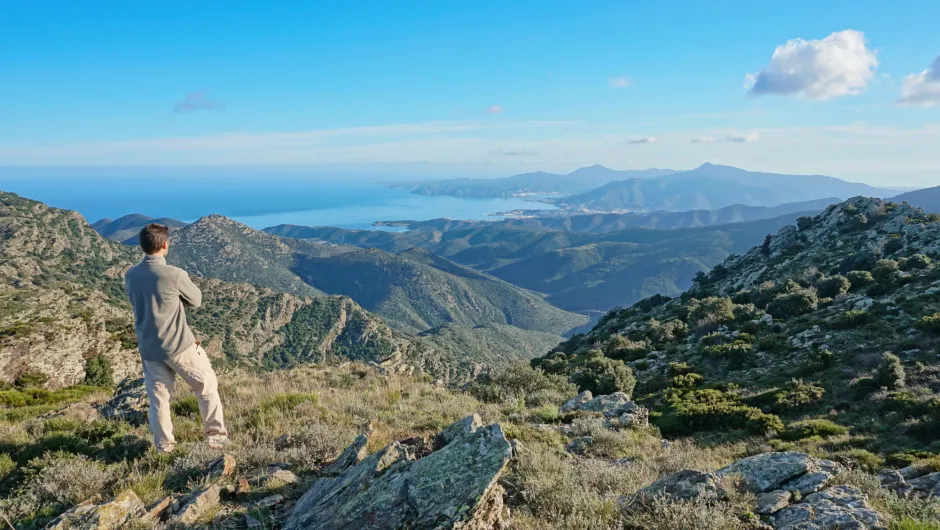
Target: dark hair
x=152, y=238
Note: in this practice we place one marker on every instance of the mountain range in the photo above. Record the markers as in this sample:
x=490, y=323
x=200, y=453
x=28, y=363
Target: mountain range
x=712, y=186
x=537, y=183
x=928, y=199
x=125, y=228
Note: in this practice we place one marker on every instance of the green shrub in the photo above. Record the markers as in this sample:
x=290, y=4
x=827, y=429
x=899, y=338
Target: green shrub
x=851, y=319
x=833, y=286
x=677, y=369
x=604, y=376
x=31, y=379
x=713, y=338
x=187, y=406
x=864, y=386
x=893, y=245
x=686, y=381
x=859, y=279
x=821, y=359
x=516, y=382
x=98, y=371
x=929, y=323
x=808, y=428
x=710, y=311
x=891, y=372
x=736, y=351
x=917, y=262
x=885, y=270
x=281, y=402
x=7, y=465
x=773, y=342
x=797, y=396
x=620, y=347
x=793, y=304
x=664, y=332
x=804, y=223
x=859, y=458
x=692, y=411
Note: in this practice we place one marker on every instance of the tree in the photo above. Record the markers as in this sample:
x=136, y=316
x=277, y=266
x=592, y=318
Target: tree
x=891, y=372
x=602, y=375
x=765, y=248
x=98, y=371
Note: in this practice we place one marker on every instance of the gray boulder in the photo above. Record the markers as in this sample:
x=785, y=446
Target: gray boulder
x=844, y=507
x=770, y=471
x=927, y=485
x=110, y=515
x=611, y=405
x=686, y=485
x=636, y=419
x=455, y=486
x=577, y=402
x=772, y=502
x=129, y=403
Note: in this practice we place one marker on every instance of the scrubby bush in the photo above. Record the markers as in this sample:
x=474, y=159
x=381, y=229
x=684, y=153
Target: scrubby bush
x=856, y=222
x=893, y=245
x=553, y=363
x=686, y=381
x=620, y=347
x=891, y=372
x=929, y=323
x=885, y=270
x=737, y=350
x=663, y=332
x=793, y=304
x=710, y=311
x=31, y=379
x=808, y=428
x=516, y=382
x=797, y=396
x=98, y=371
x=833, y=286
x=859, y=279
x=851, y=319
x=691, y=411
x=917, y=262
x=860, y=261
x=773, y=342
x=602, y=375
x=804, y=223
x=859, y=459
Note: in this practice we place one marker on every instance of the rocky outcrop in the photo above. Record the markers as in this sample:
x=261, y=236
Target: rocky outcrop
x=111, y=515
x=453, y=487
x=778, y=479
x=835, y=507
x=686, y=485
x=912, y=480
x=790, y=471
x=129, y=403
x=616, y=405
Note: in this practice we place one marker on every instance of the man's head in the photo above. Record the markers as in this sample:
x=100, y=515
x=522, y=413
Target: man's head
x=155, y=239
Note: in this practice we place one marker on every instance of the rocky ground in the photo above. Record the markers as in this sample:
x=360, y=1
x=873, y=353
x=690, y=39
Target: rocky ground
x=350, y=447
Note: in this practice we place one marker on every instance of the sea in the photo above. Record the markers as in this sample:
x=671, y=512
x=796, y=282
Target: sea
x=258, y=200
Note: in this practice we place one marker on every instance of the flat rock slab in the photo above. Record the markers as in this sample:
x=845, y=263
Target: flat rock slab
x=610, y=405
x=843, y=507
x=684, y=485
x=453, y=487
x=197, y=505
x=577, y=402
x=770, y=471
x=111, y=515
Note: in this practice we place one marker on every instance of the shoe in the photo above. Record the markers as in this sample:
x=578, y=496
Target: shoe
x=218, y=441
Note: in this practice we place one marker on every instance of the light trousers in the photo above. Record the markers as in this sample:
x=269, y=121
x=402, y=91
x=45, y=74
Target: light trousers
x=160, y=376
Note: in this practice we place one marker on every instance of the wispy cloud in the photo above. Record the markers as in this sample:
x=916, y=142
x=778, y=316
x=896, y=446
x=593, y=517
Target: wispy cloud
x=197, y=101
x=493, y=109
x=923, y=89
x=513, y=152
x=738, y=138
x=838, y=65
x=619, y=82
x=641, y=140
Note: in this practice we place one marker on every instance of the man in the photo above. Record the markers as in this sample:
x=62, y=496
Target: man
x=158, y=293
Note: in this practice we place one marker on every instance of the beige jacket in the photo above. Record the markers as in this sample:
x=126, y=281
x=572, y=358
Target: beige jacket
x=158, y=293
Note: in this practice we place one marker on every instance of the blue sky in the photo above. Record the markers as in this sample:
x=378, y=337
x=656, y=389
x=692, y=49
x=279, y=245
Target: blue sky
x=474, y=88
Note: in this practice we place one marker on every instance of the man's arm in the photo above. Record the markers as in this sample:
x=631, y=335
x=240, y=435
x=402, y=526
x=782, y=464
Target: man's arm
x=189, y=293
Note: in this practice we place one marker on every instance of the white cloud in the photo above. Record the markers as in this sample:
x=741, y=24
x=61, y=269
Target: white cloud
x=493, y=109
x=513, y=152
x=197, y=101
x=620, y=82
x=738, y=138
x=838, y=65
x=923, y=89
x=642, y=140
